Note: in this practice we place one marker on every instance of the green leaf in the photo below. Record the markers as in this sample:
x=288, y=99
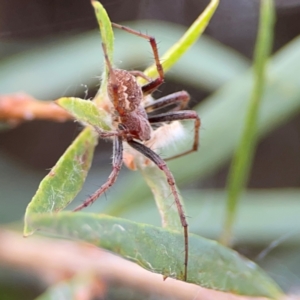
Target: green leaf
x=105, y=27
x=186, y=41
x=107, y=36
x=160, y=188
x=86, y=112
x=262, y=219
x=160, y=250
x=65, y=179
x=242, y=161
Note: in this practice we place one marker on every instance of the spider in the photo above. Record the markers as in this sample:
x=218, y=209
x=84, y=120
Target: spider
x=133, y=123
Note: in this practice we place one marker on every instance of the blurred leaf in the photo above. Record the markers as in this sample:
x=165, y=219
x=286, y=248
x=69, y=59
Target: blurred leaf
x=207, y=65
x=65, y=179
x=242, y=160
x=223, y=113
x=86, y=112
x=59, y=67
x=81, y=286
x=161, y=251
x=11, y=47
x=284, y=265
x=264, y=215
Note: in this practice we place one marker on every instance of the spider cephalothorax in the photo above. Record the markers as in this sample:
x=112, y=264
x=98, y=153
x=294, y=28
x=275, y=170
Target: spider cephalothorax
x=133, y=124
x=127, y=96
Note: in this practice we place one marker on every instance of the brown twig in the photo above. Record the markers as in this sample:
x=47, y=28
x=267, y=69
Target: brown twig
x=20, y=107
x=55, y=260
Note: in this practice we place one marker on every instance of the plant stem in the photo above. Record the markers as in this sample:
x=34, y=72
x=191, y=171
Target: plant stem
x=242, y=160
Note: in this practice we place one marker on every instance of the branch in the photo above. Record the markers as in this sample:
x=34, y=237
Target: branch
x=20, y=107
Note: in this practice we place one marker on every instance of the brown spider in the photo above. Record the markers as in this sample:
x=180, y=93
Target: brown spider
x=134, y=124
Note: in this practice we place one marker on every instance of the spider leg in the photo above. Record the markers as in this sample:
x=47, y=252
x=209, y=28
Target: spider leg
x=151, y=86
x=180, y=99
x=107, y=134
x=163, y=166
x=176, y=116
x=138, y=73
x=117, y=163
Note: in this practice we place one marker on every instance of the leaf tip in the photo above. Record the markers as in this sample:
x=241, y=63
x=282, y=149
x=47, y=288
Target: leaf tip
x=96, y=5
x=28, y=231
x=59, y=101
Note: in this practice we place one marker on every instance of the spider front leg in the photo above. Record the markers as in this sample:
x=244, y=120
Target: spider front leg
x=163, y=166
x=117, y=164
x=177, y=116
x=179, y=99
x=151, y=86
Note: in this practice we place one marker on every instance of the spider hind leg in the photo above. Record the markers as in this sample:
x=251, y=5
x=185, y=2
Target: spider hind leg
x=171, y=181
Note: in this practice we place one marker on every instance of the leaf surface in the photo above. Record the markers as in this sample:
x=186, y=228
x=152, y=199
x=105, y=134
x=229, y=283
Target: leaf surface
x=161, y=251
x=65, y=179
x=86, y=112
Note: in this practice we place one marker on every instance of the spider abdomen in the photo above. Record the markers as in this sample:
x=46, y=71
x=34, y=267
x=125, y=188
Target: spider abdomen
x=129, y=93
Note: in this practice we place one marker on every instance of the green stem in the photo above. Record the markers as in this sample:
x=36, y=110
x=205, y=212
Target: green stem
x=242, y=160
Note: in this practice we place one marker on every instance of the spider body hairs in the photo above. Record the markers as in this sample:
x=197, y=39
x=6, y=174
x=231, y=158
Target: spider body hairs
x=134, y=124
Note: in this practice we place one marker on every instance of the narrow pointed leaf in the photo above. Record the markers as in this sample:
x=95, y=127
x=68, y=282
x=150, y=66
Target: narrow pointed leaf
x=161, y=251
x=65, y=179
x=186, y=41
x=107, y=36
x=106, y=31
x=86, y=112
